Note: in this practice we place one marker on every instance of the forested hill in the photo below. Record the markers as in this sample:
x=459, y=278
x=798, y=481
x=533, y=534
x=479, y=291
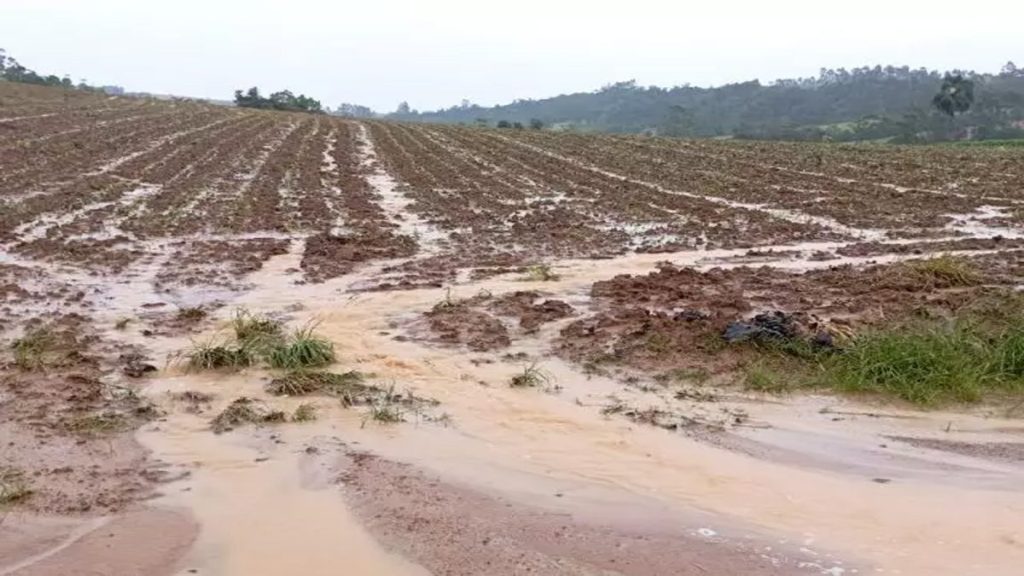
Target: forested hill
x=860, y=104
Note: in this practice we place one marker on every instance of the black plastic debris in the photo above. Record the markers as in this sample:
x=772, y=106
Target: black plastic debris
x=768, y=327
x=781, y=327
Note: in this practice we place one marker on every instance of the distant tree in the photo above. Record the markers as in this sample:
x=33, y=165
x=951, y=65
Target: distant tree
x=403, y=109
x=249, y=99
x=504, y=124
x=536, y=124
x=354, y=111
x=680, y=121
x=955, y=96
x=1011, y=70
x=481, y=122
x=517, y=125
x=13, y=71
x=284, y=100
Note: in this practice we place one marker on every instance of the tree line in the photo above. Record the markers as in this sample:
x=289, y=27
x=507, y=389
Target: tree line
x=13, y=71
x=897, y=104
x=284, y=100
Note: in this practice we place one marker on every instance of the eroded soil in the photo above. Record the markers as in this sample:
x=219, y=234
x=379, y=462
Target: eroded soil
x=537, y=322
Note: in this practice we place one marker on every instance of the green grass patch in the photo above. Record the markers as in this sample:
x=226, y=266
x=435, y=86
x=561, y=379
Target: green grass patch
x=973, y=354
x=764, y=377
x=931, y=363
x=259, y=339
x=304, y=349
x=946, y=270
x=257, y=331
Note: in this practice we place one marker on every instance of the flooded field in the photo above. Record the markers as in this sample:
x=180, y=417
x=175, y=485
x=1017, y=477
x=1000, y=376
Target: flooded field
x=489, y=351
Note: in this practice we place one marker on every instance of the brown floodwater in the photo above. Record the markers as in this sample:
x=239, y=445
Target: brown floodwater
x=260, y=508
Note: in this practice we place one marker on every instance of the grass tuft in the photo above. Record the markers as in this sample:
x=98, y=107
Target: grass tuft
x=540, y=273
x=531, y=377
x=98, y=424
x=211, y=355
x=36, y=349
x=244, y=411
x=449, y=302
x=304, y=413
x=303, y=350
x=13, y=486
x=191, y=314
x=256, y=329
x=946, y=270
x=386, y=407
x=306, y=382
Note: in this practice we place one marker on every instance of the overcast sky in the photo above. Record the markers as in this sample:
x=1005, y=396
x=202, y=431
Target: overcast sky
x=435, y=53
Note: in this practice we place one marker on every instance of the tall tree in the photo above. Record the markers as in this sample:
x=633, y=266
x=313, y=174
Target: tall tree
x=955, y=96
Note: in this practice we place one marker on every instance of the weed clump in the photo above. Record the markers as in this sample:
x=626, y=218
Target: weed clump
x=259, y=338
x=540, y=273
x=763, y=378
x=531, y=377
x=306, y=382
x=946, y=270
x=303, y=350
x=304, y=413
x=36, y=349
x=13, y=486
x=98, y=424
x=245, y=411
x=220, y=356
x=257, y=331
x=386, y=407
x=191, y=314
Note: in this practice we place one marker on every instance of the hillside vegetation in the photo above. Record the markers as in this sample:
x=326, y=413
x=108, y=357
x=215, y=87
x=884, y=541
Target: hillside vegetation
x=880, y=103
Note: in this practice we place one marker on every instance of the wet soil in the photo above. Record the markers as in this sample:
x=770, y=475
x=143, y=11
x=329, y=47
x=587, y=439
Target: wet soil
x=999, y=451
x=409, y=245
x=68, y=426
x=455, y=530
x=674, y=318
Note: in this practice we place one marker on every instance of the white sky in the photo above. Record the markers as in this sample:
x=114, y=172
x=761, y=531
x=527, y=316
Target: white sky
x=435, y=53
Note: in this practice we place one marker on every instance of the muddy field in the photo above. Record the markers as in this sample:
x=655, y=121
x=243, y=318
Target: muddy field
x=528, y=369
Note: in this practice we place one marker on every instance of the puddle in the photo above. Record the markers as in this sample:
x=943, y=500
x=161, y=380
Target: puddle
x=260, y=510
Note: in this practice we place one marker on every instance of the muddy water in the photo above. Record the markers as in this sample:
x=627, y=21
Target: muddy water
x=259, y=511
x=260, y=504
